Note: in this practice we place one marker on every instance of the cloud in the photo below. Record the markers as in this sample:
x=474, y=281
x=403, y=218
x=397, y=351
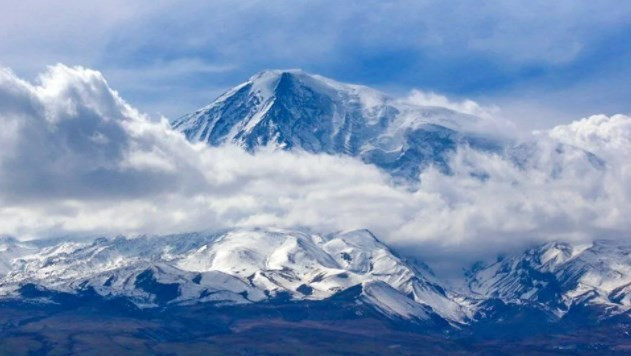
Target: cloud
x=466, y=106
x=601, y=134
x=485, y=119
x=77, y=159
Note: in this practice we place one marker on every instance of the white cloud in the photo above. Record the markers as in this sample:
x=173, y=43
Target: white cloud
x=601, y=134
x=77, y=159
x=466, y=106
x=491, y=116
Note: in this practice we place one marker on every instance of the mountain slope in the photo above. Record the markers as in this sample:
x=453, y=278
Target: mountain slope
x=235, y=267
x=350, y=276
x=291, y=109
x=11, y=249
x=558, y=278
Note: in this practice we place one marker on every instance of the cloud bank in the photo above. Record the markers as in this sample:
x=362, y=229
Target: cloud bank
x=77, y=159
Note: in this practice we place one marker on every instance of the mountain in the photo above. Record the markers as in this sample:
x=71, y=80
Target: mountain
x=232, y=268
x=10, y=249
x=290, y=109
x=250, y=266
x=246, y=266
x=244, y=283
x=294, y=110
x=584, y=283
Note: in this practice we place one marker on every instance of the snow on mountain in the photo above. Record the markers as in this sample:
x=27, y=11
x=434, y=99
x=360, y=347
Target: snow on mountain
x=558, y=276
x=234, y=267
x=245, y=266
x=292, y=109
x=10, y=249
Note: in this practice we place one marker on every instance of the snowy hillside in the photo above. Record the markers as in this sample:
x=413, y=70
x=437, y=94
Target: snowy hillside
x=235, y=267
x=556, y=281
x=558, y=276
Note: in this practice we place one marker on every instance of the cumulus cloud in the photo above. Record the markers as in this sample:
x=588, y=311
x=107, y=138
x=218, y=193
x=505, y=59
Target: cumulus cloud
x=601, y=134
x=77, y=159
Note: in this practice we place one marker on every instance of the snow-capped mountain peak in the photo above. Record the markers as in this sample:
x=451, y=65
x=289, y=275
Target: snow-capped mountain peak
x=291, y=109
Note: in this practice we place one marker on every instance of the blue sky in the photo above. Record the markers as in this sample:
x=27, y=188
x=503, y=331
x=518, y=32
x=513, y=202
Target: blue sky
x=541, y=62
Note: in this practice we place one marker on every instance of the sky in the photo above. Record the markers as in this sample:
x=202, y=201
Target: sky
x=87, y=90
x=541, y=62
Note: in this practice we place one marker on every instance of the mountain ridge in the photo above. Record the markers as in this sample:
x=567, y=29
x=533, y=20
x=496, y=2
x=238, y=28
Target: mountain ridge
x=262, y=265
x=234, y=267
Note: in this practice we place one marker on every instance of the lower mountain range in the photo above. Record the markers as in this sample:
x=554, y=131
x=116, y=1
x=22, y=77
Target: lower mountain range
x=268, y=289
